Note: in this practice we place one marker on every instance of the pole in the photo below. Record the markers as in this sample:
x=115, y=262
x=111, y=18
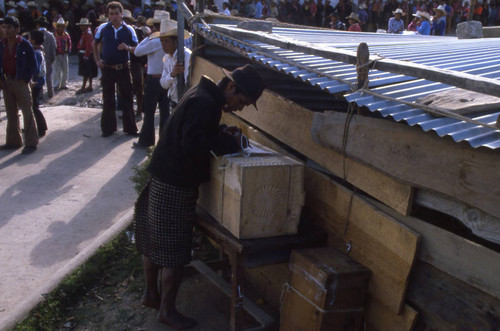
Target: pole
x=181, y=84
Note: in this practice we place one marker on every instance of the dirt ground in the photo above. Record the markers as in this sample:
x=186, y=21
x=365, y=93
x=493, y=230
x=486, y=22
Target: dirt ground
x=111, y=301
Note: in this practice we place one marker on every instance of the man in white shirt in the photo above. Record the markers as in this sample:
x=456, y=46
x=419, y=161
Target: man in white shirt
x=171, y=69
x=154, y=94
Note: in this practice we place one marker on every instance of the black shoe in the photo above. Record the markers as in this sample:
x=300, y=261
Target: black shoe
x=8, y=147
x=41, y=133
x=28, y=150
x=107, y=134
x=137, y=144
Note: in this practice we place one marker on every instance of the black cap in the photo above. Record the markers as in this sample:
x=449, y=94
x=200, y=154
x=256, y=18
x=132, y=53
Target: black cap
x=42, y=20
x=9, y=20
x=248, y=80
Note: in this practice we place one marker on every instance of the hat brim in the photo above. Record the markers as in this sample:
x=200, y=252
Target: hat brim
x=352, y=18
x=84, y=24
x=229, y=75
x=170, y=33
x=55, y=24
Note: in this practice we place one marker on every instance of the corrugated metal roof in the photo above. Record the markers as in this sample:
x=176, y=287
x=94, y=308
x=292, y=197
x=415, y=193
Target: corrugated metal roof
x=478, y=57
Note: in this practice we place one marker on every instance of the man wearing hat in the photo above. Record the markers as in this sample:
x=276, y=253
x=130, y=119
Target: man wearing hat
x=154, y=94
x=112, y=44
x=17, y=67
x=424, y=27
x=49, y=48
x=166, y=208
x=396, y=24
x=438, y=26
x=335, y=23
x=61, y=64
x=353, y=20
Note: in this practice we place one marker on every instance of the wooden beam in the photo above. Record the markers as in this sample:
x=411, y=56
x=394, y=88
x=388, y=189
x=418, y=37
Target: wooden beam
x=291, y=124
x=446, y=303
x=421, y=159
x=469, y=262
x=380, y=318
x=374, y=239
x=459, y=79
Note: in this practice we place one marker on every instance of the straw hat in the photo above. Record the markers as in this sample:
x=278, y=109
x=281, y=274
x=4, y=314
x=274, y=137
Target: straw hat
x=353, y=16
x=399, y=11
x=168, y=28
x=160, y=3
x=127, y=16
x=425, y=15
x=102, y=18
x=442, y=9
x=84, y=21
x=60, y=21
x=158, y=16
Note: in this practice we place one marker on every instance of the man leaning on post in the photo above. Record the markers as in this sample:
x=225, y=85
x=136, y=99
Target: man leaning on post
x=17, y=67
x=115, y=39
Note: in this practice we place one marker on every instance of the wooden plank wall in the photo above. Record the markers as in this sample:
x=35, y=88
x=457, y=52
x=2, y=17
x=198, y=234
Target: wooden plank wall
x=291, y=124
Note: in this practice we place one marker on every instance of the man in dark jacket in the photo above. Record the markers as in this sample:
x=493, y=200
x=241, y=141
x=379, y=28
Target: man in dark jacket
x=166, y=209
x=17, y=67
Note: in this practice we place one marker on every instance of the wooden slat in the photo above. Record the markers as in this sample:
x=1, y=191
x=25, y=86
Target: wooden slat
x=259, y=315
x=421, y=159
x=291, y=124
x=380, y=318
x=377, y=241
x=469, y=262
x=459, y=79
x=446, y=303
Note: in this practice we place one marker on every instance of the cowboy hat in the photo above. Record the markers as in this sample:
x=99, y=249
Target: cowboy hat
x=362, y=5
x=22, y=4
x=158, y=16
x=442, y=9
x=127, y=16
x=399, y=11
x=146, y=3
x=102, y=18
x=31, y=4
x=60, y=21
x=417, y=14
x=248, y=80
x=160, y=3
x=11, y=4
x=141, y=19
x=45, y=5
x=353, y=16
x=168, y=28
x=425, y=15
x=84, y=21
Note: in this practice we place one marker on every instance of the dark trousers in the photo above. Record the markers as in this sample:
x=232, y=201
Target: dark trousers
x=154, y=95
x=41, y=124
x=137, y=71
x=122, y=79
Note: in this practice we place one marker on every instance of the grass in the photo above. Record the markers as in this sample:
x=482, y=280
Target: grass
x=118, y=258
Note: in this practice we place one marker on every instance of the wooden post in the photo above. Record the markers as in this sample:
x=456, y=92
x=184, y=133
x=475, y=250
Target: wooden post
x=471, y=10
x=236, y=296
x=180, y=49
x=363, y=58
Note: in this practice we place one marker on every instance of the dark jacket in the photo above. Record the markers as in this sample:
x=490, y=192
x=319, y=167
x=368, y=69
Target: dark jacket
x=25, y=60
x=182, y=155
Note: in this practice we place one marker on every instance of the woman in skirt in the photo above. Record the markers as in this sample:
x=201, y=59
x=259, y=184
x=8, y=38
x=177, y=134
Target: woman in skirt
x=87, y=67
x=166, y=209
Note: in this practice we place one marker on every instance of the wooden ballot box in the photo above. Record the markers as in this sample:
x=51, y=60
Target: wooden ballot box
x=255, y=194
x=326, y=291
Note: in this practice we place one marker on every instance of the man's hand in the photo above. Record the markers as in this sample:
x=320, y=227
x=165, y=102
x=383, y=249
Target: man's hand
x=177, y=70
x=123, y=47
x=237, y=134
x=100, y=63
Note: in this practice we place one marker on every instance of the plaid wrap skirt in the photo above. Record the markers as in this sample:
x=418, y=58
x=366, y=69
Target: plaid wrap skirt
x=164, y=219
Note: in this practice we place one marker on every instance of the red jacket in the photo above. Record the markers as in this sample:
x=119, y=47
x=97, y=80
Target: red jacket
x=85, y=43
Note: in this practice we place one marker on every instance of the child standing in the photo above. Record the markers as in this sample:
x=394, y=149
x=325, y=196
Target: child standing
x=36, y=38
x=87, y=68
x=61, y=65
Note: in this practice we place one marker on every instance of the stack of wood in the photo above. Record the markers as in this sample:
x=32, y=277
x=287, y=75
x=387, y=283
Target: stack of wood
x=363, y=195
x=326, y=291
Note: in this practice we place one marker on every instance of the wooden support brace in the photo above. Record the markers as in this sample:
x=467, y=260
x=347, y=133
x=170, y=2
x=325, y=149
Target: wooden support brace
x=362, y=65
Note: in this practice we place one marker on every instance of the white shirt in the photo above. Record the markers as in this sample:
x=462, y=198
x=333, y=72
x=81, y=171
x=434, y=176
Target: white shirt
x=152, y=48
x=168, y=82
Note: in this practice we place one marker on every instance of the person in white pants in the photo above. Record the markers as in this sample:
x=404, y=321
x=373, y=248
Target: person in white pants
x=61, y=64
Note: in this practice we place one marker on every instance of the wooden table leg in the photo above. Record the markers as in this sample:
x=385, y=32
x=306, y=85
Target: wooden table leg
x=236, y=295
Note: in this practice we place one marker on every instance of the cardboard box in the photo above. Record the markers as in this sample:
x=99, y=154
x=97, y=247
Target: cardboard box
x=299, y=314
x=255, y=196
x=328, y=278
